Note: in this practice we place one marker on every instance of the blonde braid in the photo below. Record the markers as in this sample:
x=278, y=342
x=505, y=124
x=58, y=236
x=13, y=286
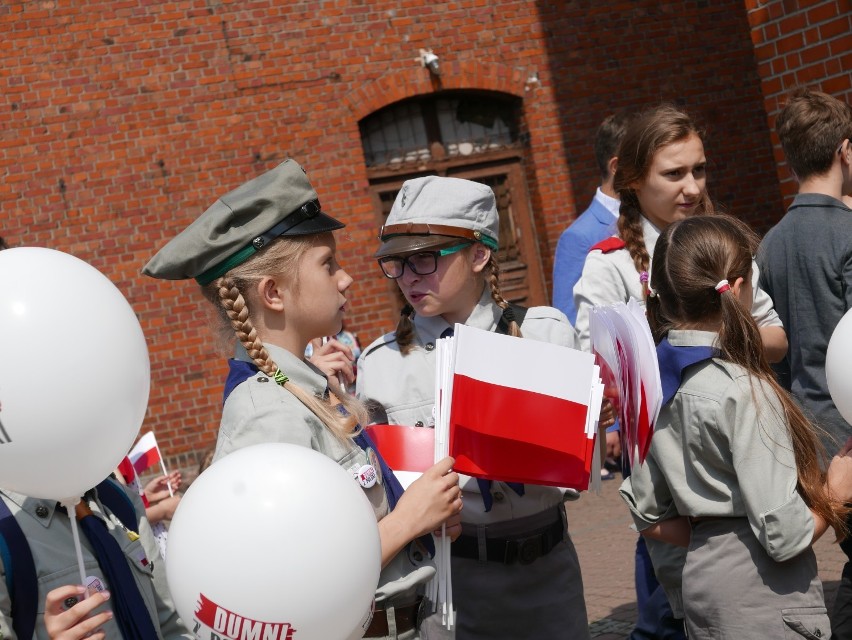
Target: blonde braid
x=493, y=269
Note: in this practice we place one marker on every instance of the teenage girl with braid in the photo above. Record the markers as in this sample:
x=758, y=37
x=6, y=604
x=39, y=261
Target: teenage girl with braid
x=264, y=255
x=514, y=568
x=734, y=469
x=660, y=178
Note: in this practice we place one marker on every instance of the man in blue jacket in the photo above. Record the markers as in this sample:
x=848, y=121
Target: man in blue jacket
x=595, y=224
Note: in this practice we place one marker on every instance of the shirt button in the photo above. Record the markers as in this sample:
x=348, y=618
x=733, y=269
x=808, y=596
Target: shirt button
x=430, y=346
x=418, y=557
x=419, y=423
x=498, y=496
x=263, y=379
x=70, y=602
x=42, y=511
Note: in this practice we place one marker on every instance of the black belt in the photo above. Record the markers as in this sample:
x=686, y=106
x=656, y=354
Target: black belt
x=406, y=619
x=521, y=549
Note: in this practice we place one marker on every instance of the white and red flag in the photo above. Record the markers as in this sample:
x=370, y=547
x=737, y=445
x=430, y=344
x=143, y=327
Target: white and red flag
x=520, y=410
x=145, y=453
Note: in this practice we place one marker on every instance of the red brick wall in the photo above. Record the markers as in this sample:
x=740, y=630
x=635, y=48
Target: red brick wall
x=123, y=120
x=800, y=42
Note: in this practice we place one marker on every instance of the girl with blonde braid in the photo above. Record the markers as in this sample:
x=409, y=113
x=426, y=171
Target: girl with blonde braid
x=264, y=255
x=514, y=568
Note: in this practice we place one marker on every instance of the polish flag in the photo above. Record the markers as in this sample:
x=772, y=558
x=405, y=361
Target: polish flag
x=145, y=453
x=522, y=410
x=408, y=451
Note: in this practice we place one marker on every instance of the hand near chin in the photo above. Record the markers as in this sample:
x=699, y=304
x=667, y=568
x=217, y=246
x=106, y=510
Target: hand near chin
x=335, y=360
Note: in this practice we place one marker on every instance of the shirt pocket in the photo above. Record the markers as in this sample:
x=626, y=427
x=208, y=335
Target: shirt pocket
x=806, y=622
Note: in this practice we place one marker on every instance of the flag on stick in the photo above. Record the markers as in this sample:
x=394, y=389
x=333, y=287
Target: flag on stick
x=145, y=453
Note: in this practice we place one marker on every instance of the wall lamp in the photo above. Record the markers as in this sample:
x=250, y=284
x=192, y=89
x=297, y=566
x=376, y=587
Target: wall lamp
x=430, y=61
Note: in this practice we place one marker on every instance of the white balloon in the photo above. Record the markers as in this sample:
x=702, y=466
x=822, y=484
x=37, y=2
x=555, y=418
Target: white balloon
x=275, y=540
x=838, y=355
x=74, y=375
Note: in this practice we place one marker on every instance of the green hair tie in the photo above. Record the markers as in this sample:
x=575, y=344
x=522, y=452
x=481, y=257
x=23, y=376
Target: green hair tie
x=280, y=378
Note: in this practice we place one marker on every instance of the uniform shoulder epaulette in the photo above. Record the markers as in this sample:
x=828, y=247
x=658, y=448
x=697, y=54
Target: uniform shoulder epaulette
x=609, y=245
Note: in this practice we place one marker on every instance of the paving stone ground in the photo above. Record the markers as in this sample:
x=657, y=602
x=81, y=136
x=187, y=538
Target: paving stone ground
x=599, y=526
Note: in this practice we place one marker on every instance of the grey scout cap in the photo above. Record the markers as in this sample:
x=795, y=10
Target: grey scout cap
x=280, y=202
x=434, y=211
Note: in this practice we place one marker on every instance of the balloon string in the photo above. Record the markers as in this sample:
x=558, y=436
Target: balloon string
x=72, y=515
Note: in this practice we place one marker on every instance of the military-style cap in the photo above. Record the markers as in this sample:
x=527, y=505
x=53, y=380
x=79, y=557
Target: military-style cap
x=280, y=202
x=432, y=212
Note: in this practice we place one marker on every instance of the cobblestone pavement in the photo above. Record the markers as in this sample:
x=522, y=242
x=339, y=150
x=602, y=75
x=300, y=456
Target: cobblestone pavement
x=599, y=526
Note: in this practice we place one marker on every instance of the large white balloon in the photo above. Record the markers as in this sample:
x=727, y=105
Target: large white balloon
x=838, y=356
x=74, y=374
x=274, y=540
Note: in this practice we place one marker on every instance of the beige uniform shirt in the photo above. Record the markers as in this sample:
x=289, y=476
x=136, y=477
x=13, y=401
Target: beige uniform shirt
x=48, y=532
x=612, y=277
x=405, y=387
x=721, y=448
x=258, y=410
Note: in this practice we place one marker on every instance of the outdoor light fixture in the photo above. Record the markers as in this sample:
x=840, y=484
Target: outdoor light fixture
x=430, y=61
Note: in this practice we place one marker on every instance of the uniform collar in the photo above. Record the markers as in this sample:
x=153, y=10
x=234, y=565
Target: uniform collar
x=485, y=315
x=693, y=338
x=613, y=205
x=650, y=233
x=302, y=373
x=33, y=506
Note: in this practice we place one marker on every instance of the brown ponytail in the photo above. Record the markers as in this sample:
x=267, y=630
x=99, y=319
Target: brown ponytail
x=493, y=271
x=405, y=330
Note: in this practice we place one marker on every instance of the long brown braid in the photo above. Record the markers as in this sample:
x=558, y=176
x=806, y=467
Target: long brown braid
x=690, y=258
x=654, y=129
x=229, y=293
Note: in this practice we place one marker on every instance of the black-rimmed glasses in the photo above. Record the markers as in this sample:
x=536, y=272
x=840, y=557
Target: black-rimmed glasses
x=423, y=263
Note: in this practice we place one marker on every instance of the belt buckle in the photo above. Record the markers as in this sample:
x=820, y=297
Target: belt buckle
x=529, y=549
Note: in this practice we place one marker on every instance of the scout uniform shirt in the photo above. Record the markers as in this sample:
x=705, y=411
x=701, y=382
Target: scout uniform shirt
x=407, y=393
x=610, y=277
x=48, y=533
x=258, y=410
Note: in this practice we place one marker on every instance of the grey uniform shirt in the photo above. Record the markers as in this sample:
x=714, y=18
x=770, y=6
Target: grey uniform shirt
x=258, y=410
x=612, y=277
x=721, y=448
x=405, y=387
x=48, y=533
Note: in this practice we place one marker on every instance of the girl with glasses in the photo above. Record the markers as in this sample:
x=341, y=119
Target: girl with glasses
x=514, y=568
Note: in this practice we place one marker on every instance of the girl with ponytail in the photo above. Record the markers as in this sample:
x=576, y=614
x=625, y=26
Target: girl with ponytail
x=734, y=469
x=264, y=255
x=514, y=568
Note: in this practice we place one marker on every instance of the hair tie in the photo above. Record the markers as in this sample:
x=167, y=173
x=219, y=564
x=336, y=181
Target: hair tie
x=722, y=286
x=280, y=377
x=643, y=277
x=652, y=293
x=508, y=315
x=407, y=310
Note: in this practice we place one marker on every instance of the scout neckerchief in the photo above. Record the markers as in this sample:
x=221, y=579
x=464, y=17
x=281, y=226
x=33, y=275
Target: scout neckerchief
x=240, y=371
x=675, y=360
x=131, y=614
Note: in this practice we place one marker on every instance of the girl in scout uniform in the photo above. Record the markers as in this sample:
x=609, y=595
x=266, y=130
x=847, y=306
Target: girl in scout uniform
x=734, y=466
x=264, y=255
x=660, y=178
x=514, y=568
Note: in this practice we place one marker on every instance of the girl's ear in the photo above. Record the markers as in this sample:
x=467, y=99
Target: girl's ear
x=270, y=294
x=481, y=256
x=737, y=286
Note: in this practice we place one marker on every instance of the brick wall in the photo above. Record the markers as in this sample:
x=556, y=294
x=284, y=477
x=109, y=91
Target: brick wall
x=123, y=120
x=800, y=42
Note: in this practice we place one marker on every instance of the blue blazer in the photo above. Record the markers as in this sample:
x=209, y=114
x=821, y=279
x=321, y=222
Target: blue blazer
x=594, y=224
